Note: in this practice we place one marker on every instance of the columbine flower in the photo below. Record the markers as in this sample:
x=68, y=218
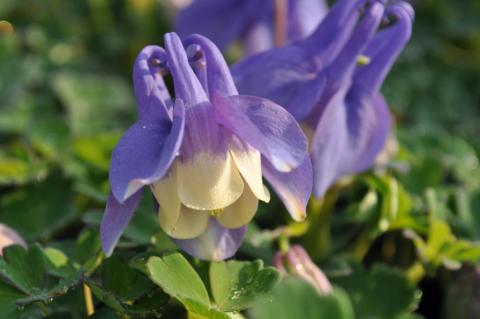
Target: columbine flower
x=204, y=154
x=256, y=23
x=321, y=81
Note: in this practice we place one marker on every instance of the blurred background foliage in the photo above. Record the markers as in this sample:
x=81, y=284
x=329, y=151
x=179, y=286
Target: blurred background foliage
x=401, y=241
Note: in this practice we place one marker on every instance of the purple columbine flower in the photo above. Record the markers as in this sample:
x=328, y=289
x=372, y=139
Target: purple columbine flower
x=203, y=154
x=321, y=82
x=258, y=24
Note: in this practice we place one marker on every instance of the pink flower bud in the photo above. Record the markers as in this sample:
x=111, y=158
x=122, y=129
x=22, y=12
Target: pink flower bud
x=298, y=262
x=9, y=237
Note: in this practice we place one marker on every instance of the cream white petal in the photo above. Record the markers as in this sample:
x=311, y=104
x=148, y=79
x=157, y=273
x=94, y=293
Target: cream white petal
x=241, y=212
x=209, y=182
x=190, y=223
x=165, y=191
x=249, y=163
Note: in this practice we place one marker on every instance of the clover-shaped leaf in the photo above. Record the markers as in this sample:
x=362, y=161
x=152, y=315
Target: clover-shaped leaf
x=236, y=284
x=295, y=298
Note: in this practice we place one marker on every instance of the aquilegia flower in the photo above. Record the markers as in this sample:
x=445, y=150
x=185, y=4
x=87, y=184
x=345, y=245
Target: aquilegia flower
x=204, y=153
x=256, y=23
x=321, y=82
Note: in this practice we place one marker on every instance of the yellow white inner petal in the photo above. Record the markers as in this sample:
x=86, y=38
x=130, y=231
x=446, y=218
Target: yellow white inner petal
x=248, y=162
x=209, y=182
x=165, y=191
x=190, y=223
x=241, y=212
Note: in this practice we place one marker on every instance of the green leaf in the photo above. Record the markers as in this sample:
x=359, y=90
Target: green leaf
x=174, y=274
x=96, y=150
x=24, y=269
x=88, y=251
x=93, y=102
x=14, y=171
x=8, y=296
x=236, y=284
x=50, y=136
x=379, y=293
x=126, y=290
x=295, y=298
x=58, y=263
x=38, y=210
x=48, y=295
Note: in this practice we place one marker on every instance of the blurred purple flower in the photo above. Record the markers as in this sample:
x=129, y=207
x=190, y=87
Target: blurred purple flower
x=251, y=21
x=204, y=154
x=320, y=82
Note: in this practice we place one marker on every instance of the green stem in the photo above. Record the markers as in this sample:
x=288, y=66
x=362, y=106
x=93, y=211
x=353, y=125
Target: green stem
x=318, y=237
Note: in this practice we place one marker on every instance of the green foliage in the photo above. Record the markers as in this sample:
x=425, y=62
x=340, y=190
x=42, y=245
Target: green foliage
x=30, y=279
x=236, y=285
x=294, y=298
x=66, y=98
x=379, y=292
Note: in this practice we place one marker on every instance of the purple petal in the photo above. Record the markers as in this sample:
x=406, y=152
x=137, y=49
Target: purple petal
x=367, y=156
x=153, y=98
x=341, y=69
x=187, y=86
x=334, y=31
x=219, y=78
x=348, y=138
x=386, y=46
x=145, y=152
x=216, y=243
x=115, y=219
x=287, y=76
x=259, y=37
x=202, y=133
x=264, y=125
x=222, y=21
x=293, y=188
x=304, y=17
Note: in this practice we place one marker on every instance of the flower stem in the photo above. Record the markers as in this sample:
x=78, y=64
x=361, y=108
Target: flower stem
x=87, y=294
x=280, y=22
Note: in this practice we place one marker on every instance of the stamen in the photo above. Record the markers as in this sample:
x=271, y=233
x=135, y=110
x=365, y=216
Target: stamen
x=216, y=212
x=160, y=65
x=194, y=53
x=363, y=60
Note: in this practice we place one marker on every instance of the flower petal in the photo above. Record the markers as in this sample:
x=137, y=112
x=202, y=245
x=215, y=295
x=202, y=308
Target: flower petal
x=165, y=192
x=386, y=46
x=221, y=21
x=216, y=243
x=304, y=16
x=115, y=219
x=249, y=163
x=153, y=98
x=219, y=78
x=333, y=32
x=293, y=188
x=365, y=157
x=241, y=212
x=348, y=137
x=209, y=181
x=264, y=125
x=8, y=237
x=187, y=86
x=190, y=223
x=144, y=153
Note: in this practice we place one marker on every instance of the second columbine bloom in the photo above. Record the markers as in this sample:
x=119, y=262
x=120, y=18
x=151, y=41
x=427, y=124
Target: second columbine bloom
x=203, y=154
